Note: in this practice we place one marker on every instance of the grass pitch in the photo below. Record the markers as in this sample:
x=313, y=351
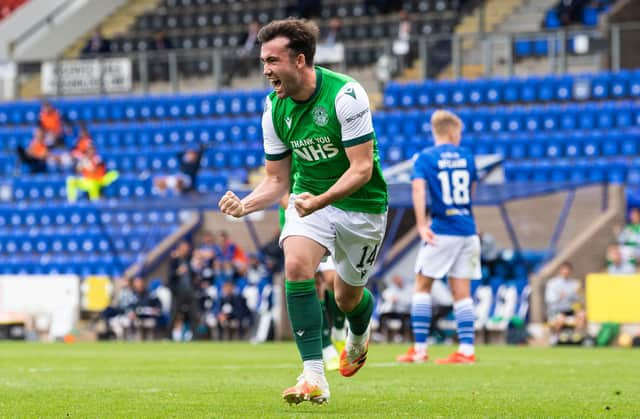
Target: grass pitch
x=217, y=380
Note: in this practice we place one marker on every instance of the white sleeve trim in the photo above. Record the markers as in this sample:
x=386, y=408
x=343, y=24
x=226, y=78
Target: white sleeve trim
x=273, y=145
x=353, y=111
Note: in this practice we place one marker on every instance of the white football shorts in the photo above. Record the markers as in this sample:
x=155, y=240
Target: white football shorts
x=455, y=256
x=327, y=264
x=352, y=238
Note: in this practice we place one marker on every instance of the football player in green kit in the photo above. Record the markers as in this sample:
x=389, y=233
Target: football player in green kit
x=320, y=120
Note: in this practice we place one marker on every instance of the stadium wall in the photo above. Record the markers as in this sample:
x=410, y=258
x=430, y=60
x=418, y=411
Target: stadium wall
x=534, y=219
x=627, y=11
x=586, y=252
x=51, y=39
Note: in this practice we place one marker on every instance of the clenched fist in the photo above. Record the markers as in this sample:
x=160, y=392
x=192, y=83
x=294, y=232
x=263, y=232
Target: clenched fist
x=305, y=204
x=230, y=204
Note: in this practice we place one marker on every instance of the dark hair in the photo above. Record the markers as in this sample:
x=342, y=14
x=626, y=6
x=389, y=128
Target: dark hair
x=301, y=33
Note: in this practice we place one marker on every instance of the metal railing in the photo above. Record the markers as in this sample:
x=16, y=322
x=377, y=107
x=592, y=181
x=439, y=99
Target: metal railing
x=496, y=54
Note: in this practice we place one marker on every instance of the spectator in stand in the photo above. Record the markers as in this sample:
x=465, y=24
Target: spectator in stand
x=114, y=316
x=160, y=42
x=183, y=283
x=207, y=297
x=402, y=44
x=489, y=252
x=570, y=11
x=163, y=294
x=617, y=264
x=185, y=180
x=84, y=141
x=562, y=296
x=232, y=314
x=94, y=176
x=629, y=236
x=250, y=42
x=396, y=306
x=145, y=310
x=208, y=247
x=333, y=31
x=53, y=124
x=247, y=53
x=97, y=44
x=231, y=252
x=36, y=154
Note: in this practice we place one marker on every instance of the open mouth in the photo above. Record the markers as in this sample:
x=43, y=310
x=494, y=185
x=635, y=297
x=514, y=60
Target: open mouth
x=276, y=83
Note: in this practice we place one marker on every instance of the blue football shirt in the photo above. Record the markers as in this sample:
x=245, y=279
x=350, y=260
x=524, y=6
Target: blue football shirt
x=449, y=172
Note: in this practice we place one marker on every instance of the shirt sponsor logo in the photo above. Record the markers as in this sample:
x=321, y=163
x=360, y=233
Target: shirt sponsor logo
x=356, y=116
x=314, y=149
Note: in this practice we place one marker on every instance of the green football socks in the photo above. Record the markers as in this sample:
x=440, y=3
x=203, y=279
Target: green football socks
x=326, y=330
x=360, y=317
x=336, y=314
x=305, y=315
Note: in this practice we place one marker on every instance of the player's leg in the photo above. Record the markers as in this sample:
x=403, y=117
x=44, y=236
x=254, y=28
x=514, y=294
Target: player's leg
x=467, y=266
x=305, y=242
x=357, y=303
x=338, y=329
x=302, y=255
x=432, y=262
x=329, y=353
x=338, y=332
x=358, y=240
x=421, y=313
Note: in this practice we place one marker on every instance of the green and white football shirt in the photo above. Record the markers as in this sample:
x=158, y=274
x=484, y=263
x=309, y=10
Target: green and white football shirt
x=317, y=131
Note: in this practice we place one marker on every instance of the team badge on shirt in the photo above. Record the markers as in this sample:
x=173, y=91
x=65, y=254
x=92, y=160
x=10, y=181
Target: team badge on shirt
x=320, y=116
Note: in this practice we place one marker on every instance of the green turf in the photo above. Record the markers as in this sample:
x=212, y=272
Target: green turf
x=244, y=381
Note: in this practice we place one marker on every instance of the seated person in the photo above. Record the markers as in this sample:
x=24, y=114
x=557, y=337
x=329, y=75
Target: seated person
x=97, y=44
x=36, y=154
x=562, y=296
x=396, y=306
x=145, y=310
x=84, y=141
x=232, y=314
x=53, y=125
x=94, y=176
x=618, y=263
x=628, y=237
x=185, y=180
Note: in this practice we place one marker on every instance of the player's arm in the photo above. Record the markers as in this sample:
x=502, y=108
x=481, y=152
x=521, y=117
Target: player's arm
x=419, y=198
x=355, y=177
x=268, y=191
x=276, y=181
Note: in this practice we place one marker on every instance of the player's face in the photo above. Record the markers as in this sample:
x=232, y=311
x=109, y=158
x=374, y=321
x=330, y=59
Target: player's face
x=280, y=68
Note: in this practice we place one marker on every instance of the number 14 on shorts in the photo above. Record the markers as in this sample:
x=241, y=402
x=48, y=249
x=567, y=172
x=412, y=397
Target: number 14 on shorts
x=367, y=259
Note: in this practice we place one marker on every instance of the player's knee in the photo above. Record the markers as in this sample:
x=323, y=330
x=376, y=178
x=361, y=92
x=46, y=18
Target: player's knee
x=295, y=268
x=345, y=302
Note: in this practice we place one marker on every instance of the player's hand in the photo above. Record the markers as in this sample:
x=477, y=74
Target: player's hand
x=305, y=204
x=427, y=235
x=230, y=204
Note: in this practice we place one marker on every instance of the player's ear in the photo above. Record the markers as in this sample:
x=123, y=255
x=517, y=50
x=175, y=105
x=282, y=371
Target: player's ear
x=301, y=61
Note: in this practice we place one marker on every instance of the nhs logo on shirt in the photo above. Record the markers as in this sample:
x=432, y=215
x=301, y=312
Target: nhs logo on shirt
x=314, y=149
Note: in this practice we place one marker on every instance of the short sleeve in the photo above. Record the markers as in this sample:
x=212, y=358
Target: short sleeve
x=473, y=171
x=419, y=168
x=354, y=114
x=274, y=148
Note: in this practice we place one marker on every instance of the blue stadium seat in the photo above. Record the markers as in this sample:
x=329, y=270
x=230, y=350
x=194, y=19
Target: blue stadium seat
x=523, y=47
